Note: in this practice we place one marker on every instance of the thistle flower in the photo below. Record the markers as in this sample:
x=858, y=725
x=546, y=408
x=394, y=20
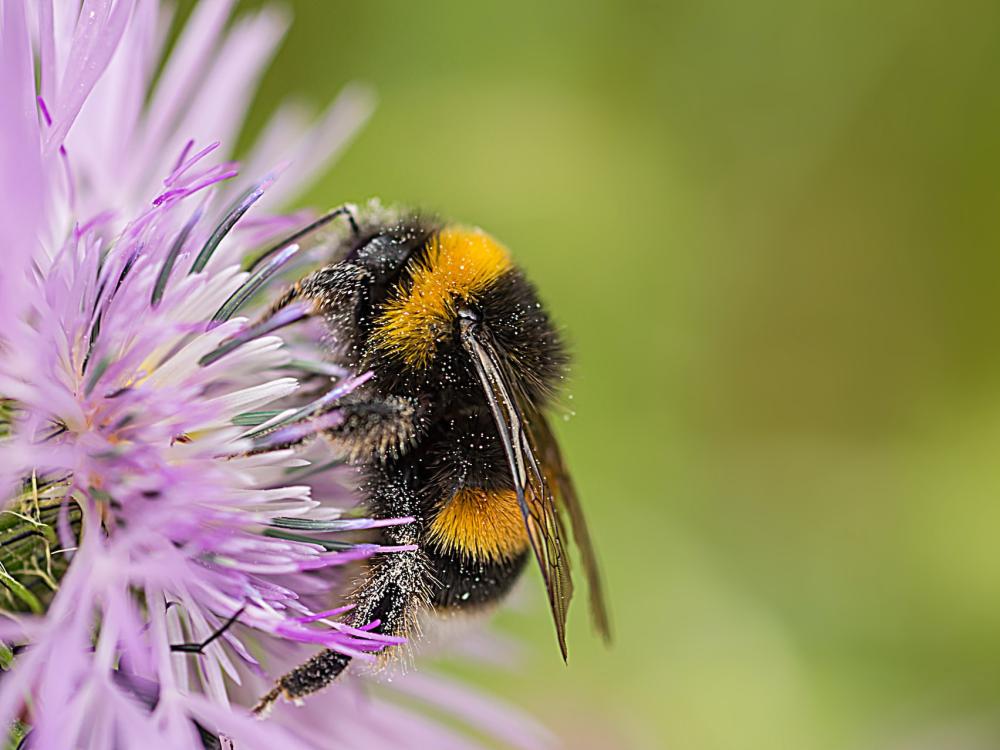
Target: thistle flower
x=181, y=554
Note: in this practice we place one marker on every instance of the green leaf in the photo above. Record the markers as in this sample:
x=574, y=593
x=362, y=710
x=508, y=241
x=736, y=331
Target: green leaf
x=19, y=590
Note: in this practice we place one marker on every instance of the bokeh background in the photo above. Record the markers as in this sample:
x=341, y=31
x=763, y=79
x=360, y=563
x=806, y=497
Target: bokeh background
x=771, y=229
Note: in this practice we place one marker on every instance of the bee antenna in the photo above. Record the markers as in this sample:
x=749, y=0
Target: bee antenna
x=346, y=210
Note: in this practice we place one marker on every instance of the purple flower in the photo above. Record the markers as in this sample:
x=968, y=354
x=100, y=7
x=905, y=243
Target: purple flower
x=147, y=408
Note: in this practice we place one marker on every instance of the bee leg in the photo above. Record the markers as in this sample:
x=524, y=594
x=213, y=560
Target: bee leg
x=377, y=429
x=197, y=648
x=392, y=594
x=310, y=677
x=395, y=588
x=334, y=290
x=371, y=428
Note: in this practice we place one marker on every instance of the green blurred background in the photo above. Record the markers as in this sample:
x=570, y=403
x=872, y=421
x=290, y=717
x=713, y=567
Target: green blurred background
x=771, y=230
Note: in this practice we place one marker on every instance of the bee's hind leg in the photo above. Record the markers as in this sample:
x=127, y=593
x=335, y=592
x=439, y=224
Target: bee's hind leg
x=393, y=594
x=310, y=677
x=395, y=588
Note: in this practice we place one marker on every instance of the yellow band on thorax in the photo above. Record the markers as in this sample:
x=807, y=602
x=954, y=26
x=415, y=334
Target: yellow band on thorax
x=459, y=264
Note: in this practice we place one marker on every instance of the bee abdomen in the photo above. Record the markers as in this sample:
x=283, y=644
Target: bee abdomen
x=463, y=583
x=480, y=524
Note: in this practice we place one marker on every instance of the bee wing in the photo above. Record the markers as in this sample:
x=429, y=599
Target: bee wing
x=545, y=531
x=566, y=498
x=534, y=495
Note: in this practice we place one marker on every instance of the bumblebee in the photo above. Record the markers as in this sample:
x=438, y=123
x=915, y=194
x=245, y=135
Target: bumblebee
x=451, y=429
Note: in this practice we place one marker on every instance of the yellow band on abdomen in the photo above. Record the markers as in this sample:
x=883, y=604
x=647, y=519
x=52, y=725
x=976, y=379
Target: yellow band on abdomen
x=481, y=524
